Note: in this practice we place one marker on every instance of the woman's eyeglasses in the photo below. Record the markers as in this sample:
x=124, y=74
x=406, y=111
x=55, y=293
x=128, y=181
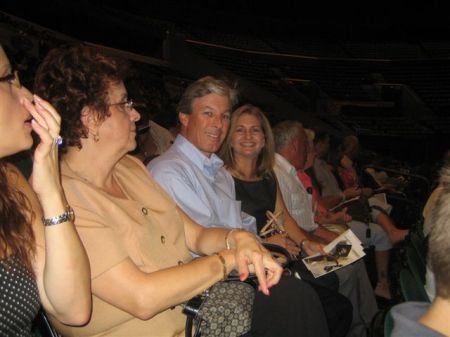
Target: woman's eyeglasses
x=127, y=105
x=12, y=79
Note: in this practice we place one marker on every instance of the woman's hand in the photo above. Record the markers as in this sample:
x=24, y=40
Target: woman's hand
x=46, y=123
x=251, y=256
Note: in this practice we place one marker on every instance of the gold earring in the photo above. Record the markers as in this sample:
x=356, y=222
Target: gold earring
x=95, y=136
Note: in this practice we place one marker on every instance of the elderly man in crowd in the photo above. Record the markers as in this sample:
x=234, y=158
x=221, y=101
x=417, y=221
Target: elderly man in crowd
x=291, y=147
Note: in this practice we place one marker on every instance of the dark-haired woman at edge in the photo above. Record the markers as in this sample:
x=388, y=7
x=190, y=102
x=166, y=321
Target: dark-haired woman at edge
x=42, y=260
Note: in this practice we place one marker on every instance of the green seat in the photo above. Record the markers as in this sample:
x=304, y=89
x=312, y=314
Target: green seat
x=388, y=324
x=419, y=242
x=411, y=288
x=416, y=264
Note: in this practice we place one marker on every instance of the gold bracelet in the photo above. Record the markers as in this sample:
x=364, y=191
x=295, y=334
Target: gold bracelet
x=227, y=237
x=224, y=266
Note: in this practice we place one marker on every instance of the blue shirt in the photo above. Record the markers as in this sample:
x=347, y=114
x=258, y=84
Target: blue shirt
x=200, y=185
x=406, y=317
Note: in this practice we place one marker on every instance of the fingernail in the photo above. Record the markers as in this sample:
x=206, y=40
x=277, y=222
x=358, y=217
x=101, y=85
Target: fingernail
x=242, y=276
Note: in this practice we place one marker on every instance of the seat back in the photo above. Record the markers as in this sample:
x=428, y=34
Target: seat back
x=388, y=324
x=411, y=288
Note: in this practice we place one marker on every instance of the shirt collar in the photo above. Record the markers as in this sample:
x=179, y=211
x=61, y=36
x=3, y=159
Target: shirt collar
x=284, y=164
x=209, y=165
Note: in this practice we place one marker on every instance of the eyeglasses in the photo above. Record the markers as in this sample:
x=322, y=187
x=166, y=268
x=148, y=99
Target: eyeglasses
x=126, y=106
x=12, y=79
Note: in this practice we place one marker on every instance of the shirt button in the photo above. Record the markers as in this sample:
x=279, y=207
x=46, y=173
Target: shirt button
x=163, y=239
x=180, y=263
x=144, y=211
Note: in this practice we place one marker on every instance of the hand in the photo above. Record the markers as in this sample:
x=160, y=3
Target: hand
x=46, y=123
x=341, y=217
x=352, y=192
x=285, y=242
x=366, y=191
x=251, y=256
x=313, y=247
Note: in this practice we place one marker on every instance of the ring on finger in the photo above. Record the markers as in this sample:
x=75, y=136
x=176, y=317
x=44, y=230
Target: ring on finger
x=58, y=140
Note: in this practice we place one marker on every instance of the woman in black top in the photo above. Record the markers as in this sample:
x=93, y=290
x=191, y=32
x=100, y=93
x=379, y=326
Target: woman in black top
x=248, y=154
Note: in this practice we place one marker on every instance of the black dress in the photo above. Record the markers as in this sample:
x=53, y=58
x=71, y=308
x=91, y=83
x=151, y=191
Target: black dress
x=257, y=197
x=19, y=298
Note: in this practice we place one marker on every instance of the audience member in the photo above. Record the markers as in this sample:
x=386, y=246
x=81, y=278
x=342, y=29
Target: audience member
x=152, y=140
x=42, y=260
x=248, y=153
x=194, y=176
x=292, y=155
x=430, y=286
x=369, y=233
x=347, y=172
x=137, y=240
x=424, y=319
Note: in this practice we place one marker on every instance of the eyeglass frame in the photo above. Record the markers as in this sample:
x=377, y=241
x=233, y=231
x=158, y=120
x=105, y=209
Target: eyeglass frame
x=129, y=105
x=13, y=79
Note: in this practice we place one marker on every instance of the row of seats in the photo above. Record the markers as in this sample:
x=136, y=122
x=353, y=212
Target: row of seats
x=412, y=274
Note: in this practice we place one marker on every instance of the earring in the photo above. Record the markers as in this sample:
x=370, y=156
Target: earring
x=95, y=137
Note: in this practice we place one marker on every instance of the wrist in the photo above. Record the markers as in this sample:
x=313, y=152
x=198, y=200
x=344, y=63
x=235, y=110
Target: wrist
x=223, y=265
x=227, y=262
x=234, y=236
x=66, y=216
x=302, y=244
x=53, y=205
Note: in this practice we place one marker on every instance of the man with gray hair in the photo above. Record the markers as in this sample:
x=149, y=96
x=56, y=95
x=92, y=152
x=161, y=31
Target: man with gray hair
x=291, y=147
x=414, y=319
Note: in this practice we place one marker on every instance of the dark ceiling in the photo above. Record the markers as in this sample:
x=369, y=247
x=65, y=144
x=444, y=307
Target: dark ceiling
x=399, y=20
x=125, y=26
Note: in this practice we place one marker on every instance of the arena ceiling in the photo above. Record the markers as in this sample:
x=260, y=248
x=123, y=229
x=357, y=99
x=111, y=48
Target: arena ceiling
x=398, y=20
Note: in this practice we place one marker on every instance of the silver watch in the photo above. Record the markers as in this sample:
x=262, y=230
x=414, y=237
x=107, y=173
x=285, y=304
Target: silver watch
x=68, y=215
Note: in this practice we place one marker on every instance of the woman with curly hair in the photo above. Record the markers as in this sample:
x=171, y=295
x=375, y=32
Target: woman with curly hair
x=137, y=239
